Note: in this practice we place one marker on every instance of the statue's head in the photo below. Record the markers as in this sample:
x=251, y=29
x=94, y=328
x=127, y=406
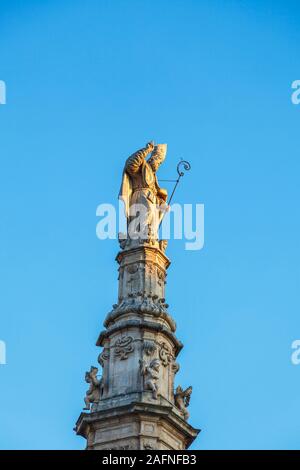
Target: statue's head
x=91, y=374
x=93, y=371
x=157, y=157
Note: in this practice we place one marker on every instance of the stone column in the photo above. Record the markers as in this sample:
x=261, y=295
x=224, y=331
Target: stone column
x=136, y=407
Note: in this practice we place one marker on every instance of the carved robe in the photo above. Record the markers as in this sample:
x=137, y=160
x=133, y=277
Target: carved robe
x=140, y=186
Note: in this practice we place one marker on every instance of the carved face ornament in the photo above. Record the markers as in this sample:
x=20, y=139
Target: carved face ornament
x=155, y=364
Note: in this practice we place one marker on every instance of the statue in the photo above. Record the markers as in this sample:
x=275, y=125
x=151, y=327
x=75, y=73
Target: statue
x=182, y=400
x=141, y=193
x=151, y=375
x=95, y=389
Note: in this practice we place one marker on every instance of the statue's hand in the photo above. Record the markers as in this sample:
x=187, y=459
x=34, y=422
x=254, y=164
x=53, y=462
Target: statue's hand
x=150, y=146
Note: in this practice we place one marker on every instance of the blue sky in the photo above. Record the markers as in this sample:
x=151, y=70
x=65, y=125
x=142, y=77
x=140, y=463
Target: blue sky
x=87, y=84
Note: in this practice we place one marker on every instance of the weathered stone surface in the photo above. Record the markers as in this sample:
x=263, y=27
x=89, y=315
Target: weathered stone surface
x=136, y=426
x=123, y=375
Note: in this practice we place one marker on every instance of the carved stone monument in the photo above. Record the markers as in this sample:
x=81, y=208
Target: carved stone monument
x=134, y=405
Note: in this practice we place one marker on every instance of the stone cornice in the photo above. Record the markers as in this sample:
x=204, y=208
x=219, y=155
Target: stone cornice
x=86, y=421
x=147, y=250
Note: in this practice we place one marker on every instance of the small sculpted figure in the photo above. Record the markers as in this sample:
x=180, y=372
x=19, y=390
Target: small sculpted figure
x=94, y=392
x=182, y=400
x=151, y=376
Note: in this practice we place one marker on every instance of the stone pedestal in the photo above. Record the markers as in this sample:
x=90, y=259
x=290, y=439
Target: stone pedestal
x=137, y=408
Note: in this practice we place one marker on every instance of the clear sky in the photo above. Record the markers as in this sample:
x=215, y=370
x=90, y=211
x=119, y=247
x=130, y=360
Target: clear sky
x=87, y=84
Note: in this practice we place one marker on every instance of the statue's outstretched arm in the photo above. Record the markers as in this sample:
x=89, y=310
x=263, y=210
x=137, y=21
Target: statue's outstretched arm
x=135, y=161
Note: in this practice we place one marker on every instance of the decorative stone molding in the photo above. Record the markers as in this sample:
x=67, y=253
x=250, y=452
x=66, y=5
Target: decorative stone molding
x=103, y=356
x=132, y=268
x=129, y=243
x=116, y=418
x=149, y=254
x=150, y=268
x=143, y=324
x=149, y=347
x=148, y=446
x=141, y=304
x=123, y=347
